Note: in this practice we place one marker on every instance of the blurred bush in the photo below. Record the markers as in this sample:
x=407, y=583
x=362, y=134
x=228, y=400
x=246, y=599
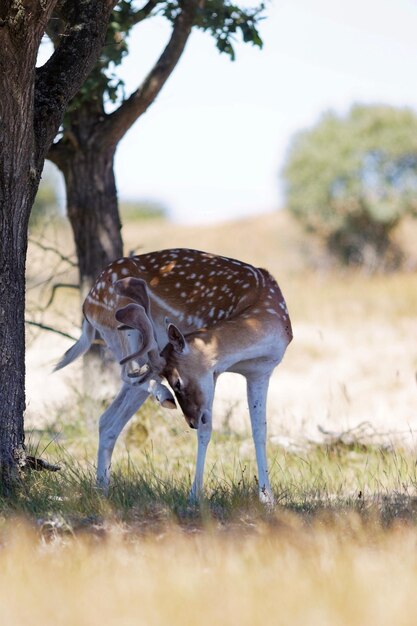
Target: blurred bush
x=351, y=179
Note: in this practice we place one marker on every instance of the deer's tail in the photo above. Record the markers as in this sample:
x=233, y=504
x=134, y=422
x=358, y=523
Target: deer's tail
x=79, y=348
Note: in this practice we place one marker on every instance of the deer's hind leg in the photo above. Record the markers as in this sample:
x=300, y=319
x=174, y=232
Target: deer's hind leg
x=257, y=391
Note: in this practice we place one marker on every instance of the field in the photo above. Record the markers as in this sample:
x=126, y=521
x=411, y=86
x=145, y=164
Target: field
x=340, y=545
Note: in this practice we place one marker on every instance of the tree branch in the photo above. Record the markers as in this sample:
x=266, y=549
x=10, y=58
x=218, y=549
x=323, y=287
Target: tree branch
x=145, y=11
x=54, y=250
x=50, y=329
x=117, y=123
x=54, y=290
x=59, y=79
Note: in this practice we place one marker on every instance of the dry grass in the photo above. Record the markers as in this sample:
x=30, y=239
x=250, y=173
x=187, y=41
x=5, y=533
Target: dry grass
x=323, y=574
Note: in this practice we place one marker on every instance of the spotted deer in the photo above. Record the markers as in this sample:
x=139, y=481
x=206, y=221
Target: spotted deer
x=186, y=316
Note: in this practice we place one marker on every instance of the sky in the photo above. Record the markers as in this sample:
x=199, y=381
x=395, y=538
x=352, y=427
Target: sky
x=212, y=146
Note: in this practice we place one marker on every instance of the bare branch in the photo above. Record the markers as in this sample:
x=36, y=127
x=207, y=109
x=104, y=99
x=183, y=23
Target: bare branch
x=47, y=281
x=133, y=251
x=54, y=290
x=63, y=257
x=117, y=123
x=50, y=329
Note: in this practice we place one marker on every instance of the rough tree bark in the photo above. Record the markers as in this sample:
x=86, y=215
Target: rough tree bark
x=18, y=183
x=90, y=182
x=32, y=106
x=92, y=208
x=85, y=156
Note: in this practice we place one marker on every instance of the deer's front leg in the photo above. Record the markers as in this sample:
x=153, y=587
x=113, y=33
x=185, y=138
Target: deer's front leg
x=257, y=389
x=203, y=439
x=114, y=418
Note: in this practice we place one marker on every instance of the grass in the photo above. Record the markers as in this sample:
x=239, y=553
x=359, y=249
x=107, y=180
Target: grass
x=321, y=574
x=339, y=547
x=150, y=486
x=153, y=472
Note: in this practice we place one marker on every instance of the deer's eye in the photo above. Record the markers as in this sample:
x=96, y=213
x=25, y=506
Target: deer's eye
x=177, y=385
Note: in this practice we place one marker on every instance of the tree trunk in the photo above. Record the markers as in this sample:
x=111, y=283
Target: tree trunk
x=19, y=179
x=32, y=105
x=92, y=210
x=14, y=215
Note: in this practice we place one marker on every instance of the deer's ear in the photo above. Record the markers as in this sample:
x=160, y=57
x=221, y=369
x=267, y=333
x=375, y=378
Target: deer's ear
x=177, y=339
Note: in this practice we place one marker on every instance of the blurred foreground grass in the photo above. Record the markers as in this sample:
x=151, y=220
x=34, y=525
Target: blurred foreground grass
x=339, y=548
x=325, y=574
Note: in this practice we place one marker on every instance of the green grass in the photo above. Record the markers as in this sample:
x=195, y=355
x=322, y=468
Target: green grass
x=153, y=472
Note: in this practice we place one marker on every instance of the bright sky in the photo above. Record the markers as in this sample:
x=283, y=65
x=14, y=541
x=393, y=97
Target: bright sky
x=212, y=145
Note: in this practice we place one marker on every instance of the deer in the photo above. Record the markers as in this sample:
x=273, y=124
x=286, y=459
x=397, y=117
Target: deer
x=185, y=317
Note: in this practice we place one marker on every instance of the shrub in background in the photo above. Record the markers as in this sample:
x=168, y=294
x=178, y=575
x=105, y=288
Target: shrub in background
x=352, y=178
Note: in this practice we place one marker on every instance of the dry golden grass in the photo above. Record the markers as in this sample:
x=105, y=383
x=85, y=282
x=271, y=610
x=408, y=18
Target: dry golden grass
x=321, y=575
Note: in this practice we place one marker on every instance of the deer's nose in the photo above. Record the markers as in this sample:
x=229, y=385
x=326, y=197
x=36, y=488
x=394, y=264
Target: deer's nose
x=192, y=422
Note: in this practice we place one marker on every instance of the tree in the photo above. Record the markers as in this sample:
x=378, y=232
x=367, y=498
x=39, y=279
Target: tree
x=32, y=105
x=352, y=178
x=85, y=150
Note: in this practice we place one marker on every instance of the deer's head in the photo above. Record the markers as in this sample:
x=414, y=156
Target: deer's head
x=190, y=375
x=182, y=362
